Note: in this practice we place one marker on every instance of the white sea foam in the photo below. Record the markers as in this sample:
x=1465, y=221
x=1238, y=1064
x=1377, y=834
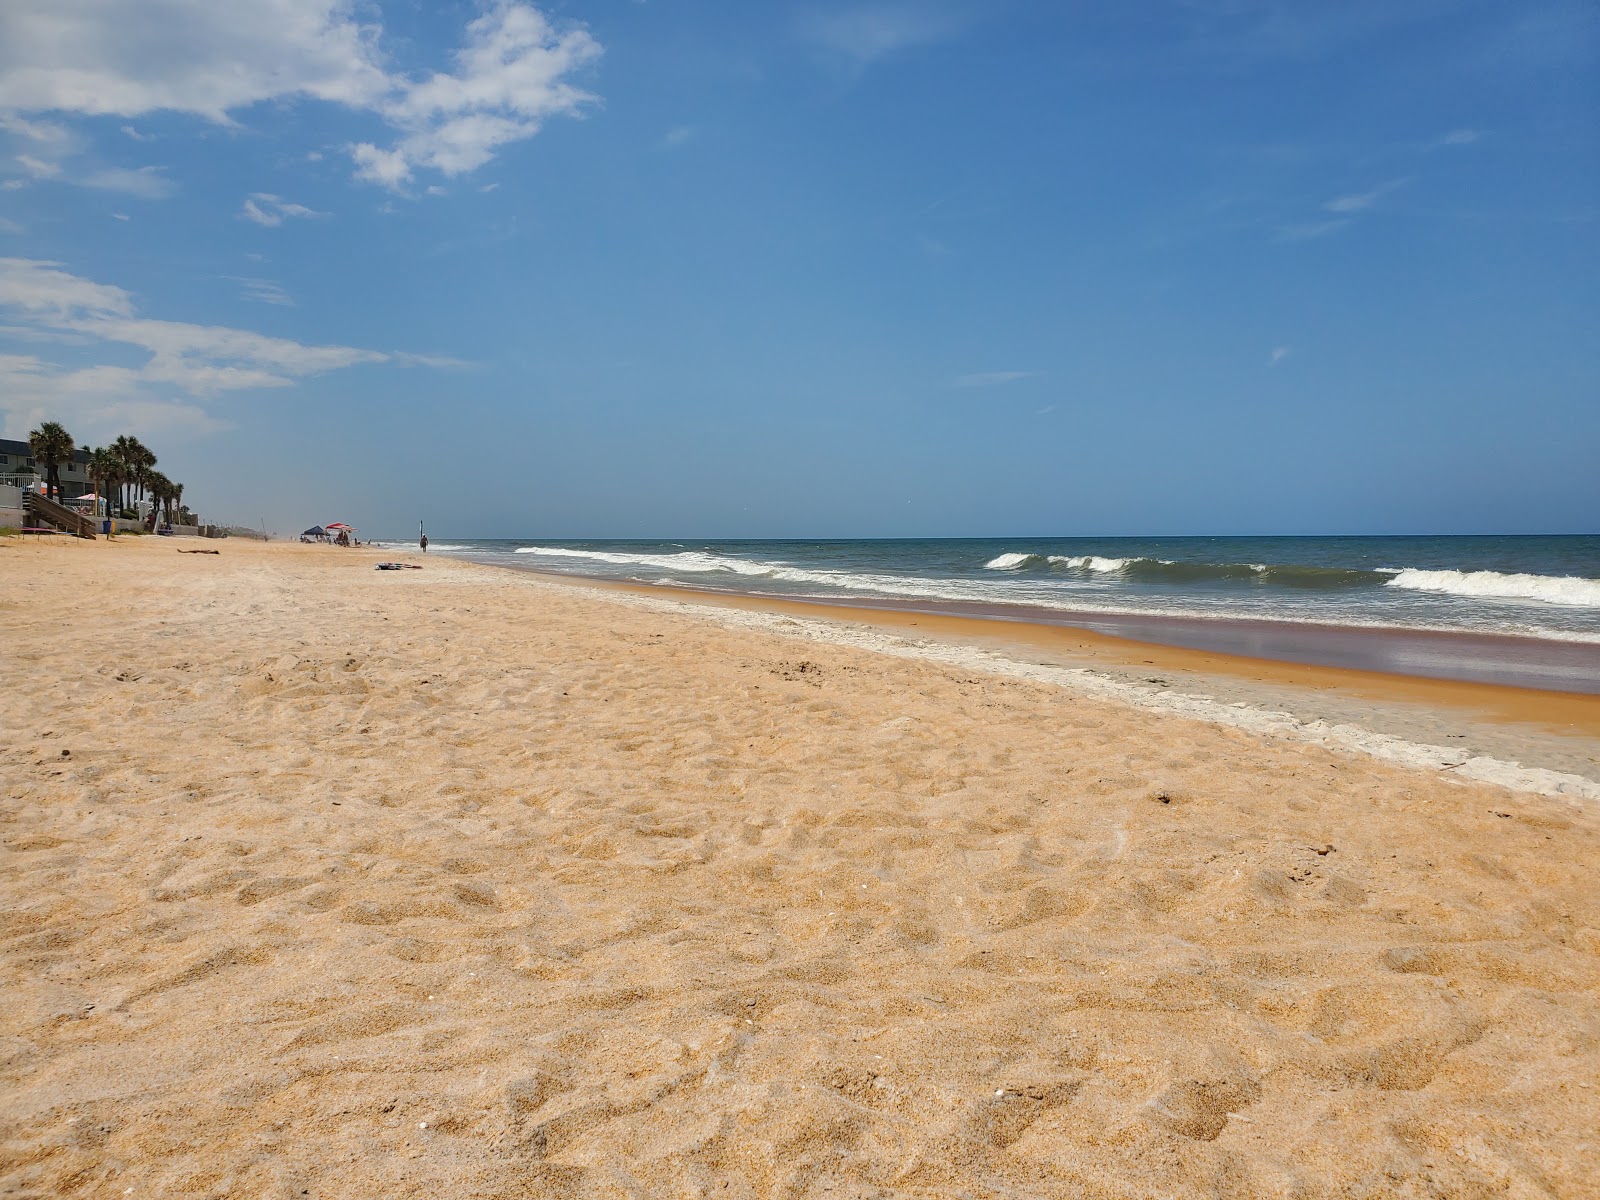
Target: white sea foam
x=432, y=545
x=1082, y=562
x=1093, y=562
x=695, y=568
x=1493, y=585
x=688, y=560
x=694, y=562
x=1009, y=562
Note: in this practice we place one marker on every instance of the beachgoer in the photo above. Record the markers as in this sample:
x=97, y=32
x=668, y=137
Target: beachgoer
x=424, y=543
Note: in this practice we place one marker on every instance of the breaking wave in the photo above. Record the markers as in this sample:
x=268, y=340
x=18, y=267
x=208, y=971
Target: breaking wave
x=1082, y=562
x=1166, y=570
x=1571, y=590
x=703, y=563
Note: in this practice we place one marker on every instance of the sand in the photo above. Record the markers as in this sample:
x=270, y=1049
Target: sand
x=321, y=881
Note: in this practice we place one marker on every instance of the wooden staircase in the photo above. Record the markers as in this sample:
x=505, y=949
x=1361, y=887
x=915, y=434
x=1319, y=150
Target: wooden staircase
x=48, y=512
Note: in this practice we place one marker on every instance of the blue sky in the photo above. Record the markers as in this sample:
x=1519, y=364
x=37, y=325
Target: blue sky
x=719, y=269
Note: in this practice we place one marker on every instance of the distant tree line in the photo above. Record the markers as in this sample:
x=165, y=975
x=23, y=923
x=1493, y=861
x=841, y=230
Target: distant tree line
x=123, y=472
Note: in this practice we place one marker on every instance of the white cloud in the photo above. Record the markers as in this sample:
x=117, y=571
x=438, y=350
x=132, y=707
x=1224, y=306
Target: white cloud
x=45, y=133
x=200, y=361
x=50, y=296
x=194, y=56
x=442, y=362
x=213, y=60
x=677, y=136
x=263, y=291
x=37, y=167
x=7, y=225
x=145, y=182
x=1361, y=201
x=266, y=209
x=509, y=79
x=990, y=378
x=1458, y=137
x=388, y=167
x=1279, y=353
x=1312, y=231
x=864, y=33
x=53, y=146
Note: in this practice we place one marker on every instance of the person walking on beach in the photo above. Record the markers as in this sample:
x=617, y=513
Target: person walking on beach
x=424, y=543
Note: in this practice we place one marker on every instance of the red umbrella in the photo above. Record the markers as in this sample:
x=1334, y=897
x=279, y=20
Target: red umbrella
x=337, y=525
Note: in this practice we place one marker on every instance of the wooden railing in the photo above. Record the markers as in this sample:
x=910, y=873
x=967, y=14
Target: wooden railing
x=44, y=509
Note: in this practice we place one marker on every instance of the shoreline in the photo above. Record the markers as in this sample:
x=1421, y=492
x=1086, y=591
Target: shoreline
x=1526, y=739
x=1554, y=709
x=1525, y=661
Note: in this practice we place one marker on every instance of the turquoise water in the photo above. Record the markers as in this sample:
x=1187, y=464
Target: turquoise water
x=1538, y=586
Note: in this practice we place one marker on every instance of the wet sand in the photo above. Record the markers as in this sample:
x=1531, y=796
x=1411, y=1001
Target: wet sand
x=451, y=883
x=1532, y=664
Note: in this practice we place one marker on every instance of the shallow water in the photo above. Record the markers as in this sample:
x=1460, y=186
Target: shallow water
x=1531, y=586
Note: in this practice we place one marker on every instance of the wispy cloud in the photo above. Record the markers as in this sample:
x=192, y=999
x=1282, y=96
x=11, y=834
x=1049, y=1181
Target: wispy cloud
x=1310, y=232
x=1361, y=201
x=199, y=362
x=266, y=209
x=678, y=135
x=1279, y=353
x=1457, y=137
x=55, y=154
x=983, y=379
x=145, y=182
x=864, y=33
x=39, y=168
x=262, y=291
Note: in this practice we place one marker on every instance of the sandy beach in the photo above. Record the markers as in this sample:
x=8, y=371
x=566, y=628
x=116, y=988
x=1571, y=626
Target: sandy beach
x=323, y=881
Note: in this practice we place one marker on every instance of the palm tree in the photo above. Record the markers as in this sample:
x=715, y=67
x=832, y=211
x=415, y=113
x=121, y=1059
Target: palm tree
x=105, y=468
x=126, y=451
x=51, y=445
x=143, y=461
x=160, y=489
x=177, y=499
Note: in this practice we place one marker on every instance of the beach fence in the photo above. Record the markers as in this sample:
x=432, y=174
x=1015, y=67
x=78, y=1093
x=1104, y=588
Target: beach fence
x=11, y=513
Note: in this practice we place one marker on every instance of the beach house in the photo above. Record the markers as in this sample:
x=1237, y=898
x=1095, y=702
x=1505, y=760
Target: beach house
x=17, y=467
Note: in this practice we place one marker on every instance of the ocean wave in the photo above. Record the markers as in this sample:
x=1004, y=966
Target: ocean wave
x=1093, y=562
x=1573, y=590
x=432, y=545
x=1166, y=570
x=1010, y=562
x=702, y=563
x=1082, y=562
x=688, y=560
x=1053, y=588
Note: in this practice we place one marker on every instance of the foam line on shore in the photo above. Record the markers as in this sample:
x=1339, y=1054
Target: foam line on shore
x=1349, y=738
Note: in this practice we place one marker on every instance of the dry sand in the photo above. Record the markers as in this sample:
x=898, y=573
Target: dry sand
x=321, y=881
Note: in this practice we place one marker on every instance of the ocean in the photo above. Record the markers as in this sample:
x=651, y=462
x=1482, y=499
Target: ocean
x=1525, y=587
